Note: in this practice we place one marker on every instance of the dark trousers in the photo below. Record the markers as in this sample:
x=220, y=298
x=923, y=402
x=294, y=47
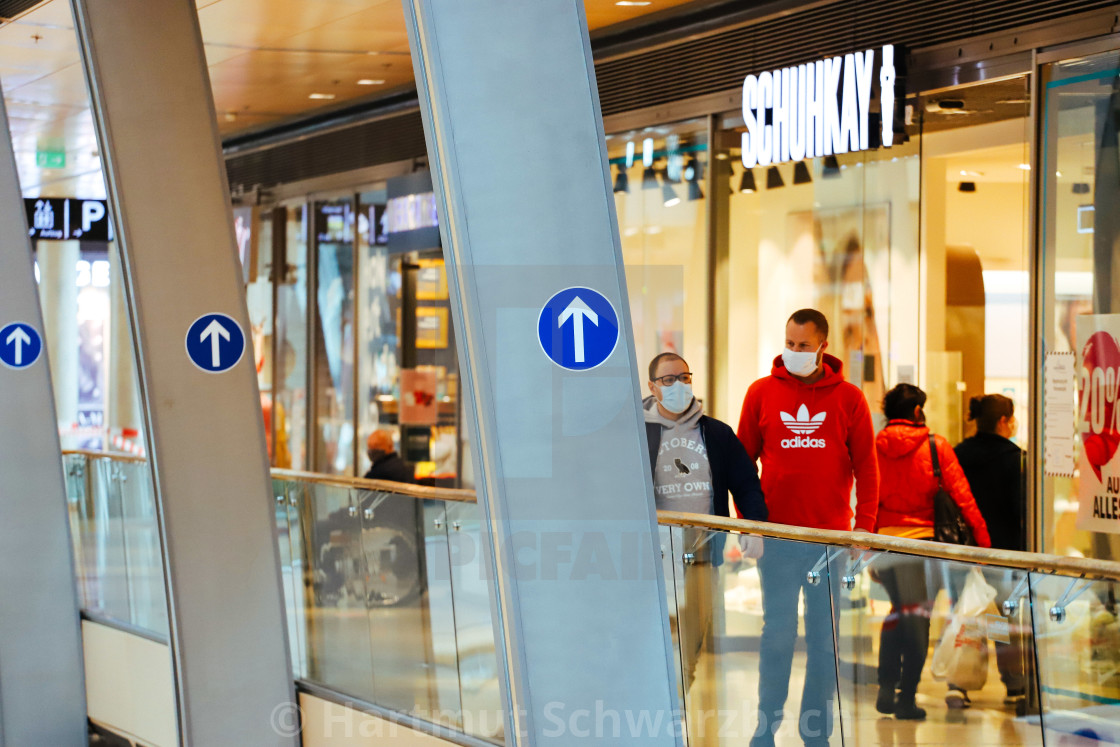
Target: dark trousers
x=904, y=638
x=783, y=570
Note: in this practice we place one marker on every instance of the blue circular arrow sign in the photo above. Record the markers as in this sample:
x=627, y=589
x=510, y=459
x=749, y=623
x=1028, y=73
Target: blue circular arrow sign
x=215, y=343
x=20, y=345
x=578, y=329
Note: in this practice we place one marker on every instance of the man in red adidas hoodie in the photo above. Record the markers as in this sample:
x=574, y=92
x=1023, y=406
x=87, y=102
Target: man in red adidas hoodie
x=812, y=432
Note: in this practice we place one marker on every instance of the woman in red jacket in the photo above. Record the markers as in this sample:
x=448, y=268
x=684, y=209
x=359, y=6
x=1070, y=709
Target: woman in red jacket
x=907, y=486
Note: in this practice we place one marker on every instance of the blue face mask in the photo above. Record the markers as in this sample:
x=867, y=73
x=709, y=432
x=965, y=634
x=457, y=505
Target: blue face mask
x=677, y=397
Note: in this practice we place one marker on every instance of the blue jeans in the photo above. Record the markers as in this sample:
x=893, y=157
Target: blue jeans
x=783, y=570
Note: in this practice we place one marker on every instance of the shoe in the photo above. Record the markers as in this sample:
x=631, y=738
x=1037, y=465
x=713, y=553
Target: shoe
x=905, y=709
x=1014, y=698
x=885, y=702
x=957, y=699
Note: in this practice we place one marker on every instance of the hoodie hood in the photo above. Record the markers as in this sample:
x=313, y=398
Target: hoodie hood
x=900, y=438
x=833, y=372
x=690, y=418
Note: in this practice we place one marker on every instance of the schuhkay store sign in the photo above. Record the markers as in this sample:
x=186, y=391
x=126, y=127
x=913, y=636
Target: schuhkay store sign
x=823, y=108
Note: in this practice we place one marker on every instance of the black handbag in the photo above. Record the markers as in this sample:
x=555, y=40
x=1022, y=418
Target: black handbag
x=948, y=521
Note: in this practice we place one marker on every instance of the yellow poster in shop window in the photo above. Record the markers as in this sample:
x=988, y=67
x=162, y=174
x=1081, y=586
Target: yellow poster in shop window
x=1098, y=422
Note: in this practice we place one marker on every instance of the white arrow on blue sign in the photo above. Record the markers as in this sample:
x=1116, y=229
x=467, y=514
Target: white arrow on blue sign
x=578, y=329
x=20, y=345
x=215, y=343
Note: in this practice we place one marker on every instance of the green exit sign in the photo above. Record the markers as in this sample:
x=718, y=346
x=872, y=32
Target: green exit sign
x=50, y=159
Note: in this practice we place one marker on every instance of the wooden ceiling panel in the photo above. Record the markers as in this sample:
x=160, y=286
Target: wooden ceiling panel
x=271, y=22
x=602, y=13
x=266, y=58
x=66, y=87
x=380, y=28
x=51, y=13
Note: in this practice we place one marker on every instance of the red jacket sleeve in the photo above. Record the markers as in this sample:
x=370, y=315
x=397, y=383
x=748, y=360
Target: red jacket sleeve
x=749, y=432
x=865, y=465
x=957, y=484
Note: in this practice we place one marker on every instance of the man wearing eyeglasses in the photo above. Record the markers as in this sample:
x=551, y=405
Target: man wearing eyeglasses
x=696, y=460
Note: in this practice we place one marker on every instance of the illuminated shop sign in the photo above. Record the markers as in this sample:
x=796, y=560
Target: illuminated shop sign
x=821, y=108
x=411, y=212
x=66, y=219
x=411, y=220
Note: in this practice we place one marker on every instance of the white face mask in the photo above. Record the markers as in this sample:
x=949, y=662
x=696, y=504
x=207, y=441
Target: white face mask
x=800, y=364
x=677, y=397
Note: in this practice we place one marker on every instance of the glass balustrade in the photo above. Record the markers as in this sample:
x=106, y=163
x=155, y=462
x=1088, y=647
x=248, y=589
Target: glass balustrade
x=777, y=641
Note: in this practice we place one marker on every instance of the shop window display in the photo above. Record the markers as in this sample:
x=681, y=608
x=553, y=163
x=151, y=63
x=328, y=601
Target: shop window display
x=660, y=177
x=838, y=234
x=1080, y=300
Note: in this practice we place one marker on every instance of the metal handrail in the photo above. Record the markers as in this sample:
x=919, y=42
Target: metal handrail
x=1026, y=561
x=116, y=456
x=423, y=492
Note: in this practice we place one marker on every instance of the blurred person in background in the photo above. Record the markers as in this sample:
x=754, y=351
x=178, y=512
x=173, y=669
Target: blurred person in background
x=907, y=486
x=993, y=464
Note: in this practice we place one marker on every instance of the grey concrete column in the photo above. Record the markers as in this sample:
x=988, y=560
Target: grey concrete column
x=58, y=293
x=154, y=112
x=42, y=692
x=518, y=157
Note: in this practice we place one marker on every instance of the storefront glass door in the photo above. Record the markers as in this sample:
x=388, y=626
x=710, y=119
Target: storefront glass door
x=1080, y=299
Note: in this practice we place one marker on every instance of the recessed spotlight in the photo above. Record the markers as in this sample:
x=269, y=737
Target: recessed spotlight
x=324, y=96
x=370, y=82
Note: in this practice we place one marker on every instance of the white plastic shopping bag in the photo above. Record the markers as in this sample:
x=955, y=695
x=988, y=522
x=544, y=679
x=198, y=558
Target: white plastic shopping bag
x=961, y=658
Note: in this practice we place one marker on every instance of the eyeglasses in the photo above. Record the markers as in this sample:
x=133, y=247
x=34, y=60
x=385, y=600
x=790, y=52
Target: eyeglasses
x=684, y=378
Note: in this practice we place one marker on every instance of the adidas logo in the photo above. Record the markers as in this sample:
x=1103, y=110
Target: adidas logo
x=803, y=425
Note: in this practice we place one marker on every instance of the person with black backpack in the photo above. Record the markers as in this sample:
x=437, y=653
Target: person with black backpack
x=915, y=466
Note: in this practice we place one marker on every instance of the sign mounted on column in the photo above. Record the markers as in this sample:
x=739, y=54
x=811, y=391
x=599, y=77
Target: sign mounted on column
x=822, y=108
x=215, y=343
x=20, y=345
x=578, y=329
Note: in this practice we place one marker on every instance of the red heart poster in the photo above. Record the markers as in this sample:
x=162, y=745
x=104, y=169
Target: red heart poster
x=1098, y=385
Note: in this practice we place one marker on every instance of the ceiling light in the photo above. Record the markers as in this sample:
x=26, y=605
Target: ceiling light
x=831, y=168
x=668, y=194
x=1025, y=166
x=649, y=178
x=324, y=96
x=746, y=183
x=622, y=181
x=633, y=3
x=370, y=82
x=694, y=172
x=801, y=173
x=774, y=178
x=966, y=187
